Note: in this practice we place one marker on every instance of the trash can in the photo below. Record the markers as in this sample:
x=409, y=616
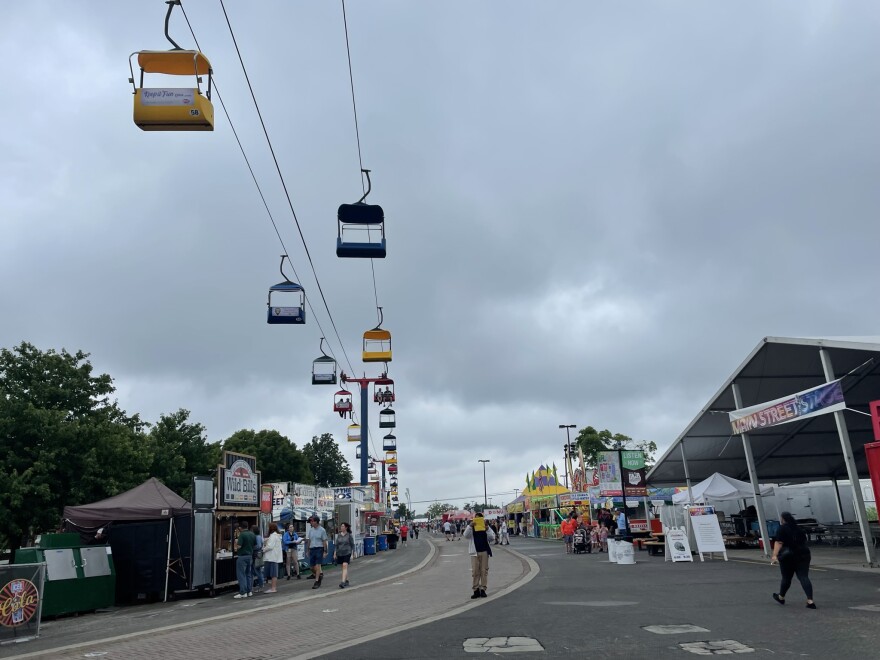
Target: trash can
x=382, y=543
x=78, y=578
x=612, y=551
x=392, y=541
x=369, y=545
x=625, y=553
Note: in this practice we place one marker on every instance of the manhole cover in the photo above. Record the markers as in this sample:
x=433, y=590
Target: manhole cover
x=502, y=645
x=680, y=629
x=723, y=647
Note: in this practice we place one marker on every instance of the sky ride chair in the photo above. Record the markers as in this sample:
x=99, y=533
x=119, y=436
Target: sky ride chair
x=353, y=433
x=389, y=443
x=287, y=314
x=377, y=343
x=387, y=419
x=172, y=108
x=357, y=221
x=342, y=403
x=383, y=391
x=323, y=368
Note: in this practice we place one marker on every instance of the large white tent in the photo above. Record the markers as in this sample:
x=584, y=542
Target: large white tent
x=719, y=488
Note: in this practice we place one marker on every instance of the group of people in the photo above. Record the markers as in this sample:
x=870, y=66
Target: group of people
x=260, y=558
x=456, y=530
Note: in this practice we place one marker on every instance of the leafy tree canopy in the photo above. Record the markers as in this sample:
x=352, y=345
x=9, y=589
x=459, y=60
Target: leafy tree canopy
x=63, y=441
x=278, y=459
x=181, y=450
x=592, y=442
x=326, y=462
x=404, y=513
x=436, y=510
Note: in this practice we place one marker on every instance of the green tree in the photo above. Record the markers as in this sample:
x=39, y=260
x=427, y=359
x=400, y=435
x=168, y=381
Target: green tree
x=180, y=450
x=63, y=441
x=326, y=462
x=436, y=510
x=404, y=513
x=592, y=442
x=278, y=459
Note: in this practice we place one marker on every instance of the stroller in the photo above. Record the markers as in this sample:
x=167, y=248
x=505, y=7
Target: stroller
x=581, y=541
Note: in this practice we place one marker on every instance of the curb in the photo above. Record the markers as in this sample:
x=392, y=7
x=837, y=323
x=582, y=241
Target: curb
x=229, y=615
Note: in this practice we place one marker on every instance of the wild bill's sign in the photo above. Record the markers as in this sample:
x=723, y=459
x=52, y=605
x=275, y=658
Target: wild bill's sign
x=809, y=403
x=239, y=482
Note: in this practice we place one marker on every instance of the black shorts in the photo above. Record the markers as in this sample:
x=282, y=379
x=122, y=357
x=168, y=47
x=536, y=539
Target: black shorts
x=343, y=559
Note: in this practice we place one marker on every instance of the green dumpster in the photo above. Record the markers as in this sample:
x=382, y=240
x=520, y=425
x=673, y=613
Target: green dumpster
x=79, y=578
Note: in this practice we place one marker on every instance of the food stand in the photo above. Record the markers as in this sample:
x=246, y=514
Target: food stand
x=238, y=498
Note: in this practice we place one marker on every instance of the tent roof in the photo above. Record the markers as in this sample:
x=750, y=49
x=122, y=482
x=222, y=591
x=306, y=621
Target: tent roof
x=719, y=487
x=151, y=500
x=795, y=452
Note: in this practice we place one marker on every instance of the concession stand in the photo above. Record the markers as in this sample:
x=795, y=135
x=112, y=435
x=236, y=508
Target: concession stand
x=238, y=498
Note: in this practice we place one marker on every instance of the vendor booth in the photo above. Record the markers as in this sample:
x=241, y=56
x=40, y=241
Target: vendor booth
x=543, y=502
x=143, y=528
x=238, y=498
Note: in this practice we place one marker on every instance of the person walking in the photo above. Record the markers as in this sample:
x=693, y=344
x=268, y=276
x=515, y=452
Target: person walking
x=479, y=536
x=447, y=529
x=505, y=535
x=790, y=551
x=316, y=544
x=343, y=551
x=416, y=531
x=290, y=549
x=272, y=557
x=244, y=561
x=567, y=529
x=404, y=532
x=258, y=578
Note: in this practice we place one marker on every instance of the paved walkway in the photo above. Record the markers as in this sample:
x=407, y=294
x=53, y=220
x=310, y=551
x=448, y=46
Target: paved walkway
x=331, y=618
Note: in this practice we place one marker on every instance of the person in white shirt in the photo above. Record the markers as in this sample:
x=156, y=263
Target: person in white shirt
x=480, y=538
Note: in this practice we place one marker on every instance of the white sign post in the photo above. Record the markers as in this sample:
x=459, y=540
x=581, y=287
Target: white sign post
x=678, y=548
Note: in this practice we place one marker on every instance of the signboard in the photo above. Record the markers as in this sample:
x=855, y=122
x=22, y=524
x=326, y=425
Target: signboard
x=280, y=498
x=326, y=498
x=492, y=513
x=632, y=472
x=875, y=418
x=678, y=548
x=609, y=474
x=167, y=96
x=707, y=531
x=348, y=494
x=304, y=497
x=238, y=482
x=21, y=601
x=266, y=499
x=808, y=403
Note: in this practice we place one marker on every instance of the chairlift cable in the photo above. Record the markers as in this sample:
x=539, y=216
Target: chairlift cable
x=266, y=205
x=357, y=136
x=284, y=183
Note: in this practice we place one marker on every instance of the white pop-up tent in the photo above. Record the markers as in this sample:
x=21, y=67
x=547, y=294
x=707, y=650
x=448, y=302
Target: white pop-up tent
x=719, y=488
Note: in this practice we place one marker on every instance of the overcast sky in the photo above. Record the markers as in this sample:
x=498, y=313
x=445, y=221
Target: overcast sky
x=594, y=210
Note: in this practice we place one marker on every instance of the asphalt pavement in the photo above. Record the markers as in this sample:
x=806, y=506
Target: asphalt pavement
x=581, y=605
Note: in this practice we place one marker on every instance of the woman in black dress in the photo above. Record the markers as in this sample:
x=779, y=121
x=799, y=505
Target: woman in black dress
x=791, y=552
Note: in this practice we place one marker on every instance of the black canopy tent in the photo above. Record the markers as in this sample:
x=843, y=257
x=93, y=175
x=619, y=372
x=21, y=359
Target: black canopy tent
x=139, y=526
x=802, y=450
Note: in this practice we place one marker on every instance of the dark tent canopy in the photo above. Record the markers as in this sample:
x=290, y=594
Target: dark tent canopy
x=151, y=500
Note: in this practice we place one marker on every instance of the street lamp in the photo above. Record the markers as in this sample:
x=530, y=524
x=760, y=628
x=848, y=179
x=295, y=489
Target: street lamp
x=567, y=447
x=485, y=499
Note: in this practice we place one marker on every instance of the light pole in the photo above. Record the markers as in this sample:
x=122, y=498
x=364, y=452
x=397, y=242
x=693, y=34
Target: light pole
x=567, y=447
x=485, y=499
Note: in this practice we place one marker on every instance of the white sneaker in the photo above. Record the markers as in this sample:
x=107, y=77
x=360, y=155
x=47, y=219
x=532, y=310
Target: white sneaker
x=240, y=596
x=250, y=593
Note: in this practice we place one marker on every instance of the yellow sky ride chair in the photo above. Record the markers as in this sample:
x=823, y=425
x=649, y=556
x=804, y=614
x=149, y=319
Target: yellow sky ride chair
x=172, y=108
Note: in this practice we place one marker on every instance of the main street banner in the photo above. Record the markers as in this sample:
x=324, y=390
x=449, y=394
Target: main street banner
x=809, y=403
x=612, y=474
